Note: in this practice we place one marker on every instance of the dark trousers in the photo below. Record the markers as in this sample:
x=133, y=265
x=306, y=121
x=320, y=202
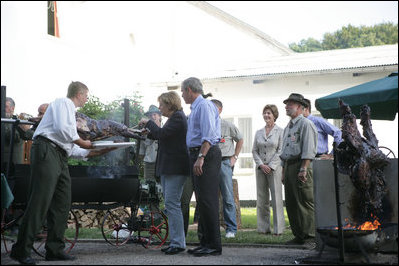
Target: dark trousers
x=206, y=188
x=299, y=200
x=49, y=196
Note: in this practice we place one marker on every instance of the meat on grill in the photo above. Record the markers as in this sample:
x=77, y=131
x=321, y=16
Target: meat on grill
x=91, y=129
x=361, y=159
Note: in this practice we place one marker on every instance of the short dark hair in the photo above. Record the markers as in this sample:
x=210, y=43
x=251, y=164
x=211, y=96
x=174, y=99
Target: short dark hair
x=217, y=103
x=307, y=101
x=75, y=88
x=273, y=109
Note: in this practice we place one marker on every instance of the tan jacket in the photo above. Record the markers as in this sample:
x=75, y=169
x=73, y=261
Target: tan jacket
x=267, y=150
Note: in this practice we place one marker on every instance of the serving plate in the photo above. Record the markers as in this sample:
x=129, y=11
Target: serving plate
x=111, y=144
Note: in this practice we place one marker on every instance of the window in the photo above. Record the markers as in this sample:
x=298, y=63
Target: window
x=245, y=162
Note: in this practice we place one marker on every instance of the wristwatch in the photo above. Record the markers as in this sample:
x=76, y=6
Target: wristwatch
x=200, y=155
x=236, y=156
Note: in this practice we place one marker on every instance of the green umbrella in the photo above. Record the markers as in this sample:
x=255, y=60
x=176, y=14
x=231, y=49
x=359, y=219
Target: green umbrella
x=380, y=95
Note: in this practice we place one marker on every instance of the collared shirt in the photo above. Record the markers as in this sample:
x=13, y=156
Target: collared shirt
x=149, y=149
x=230, y=133
x=324, y=129
x=59, y=125
x=203, y=123
x=299, y=140
x=267, y=149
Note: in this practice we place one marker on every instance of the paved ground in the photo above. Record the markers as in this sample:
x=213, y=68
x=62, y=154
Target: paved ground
x=99, y=252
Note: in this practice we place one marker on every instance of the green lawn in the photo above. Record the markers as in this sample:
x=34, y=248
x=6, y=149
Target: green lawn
x=247, y=234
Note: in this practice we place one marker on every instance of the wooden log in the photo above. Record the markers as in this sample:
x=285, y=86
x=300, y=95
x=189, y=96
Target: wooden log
x=237, y=203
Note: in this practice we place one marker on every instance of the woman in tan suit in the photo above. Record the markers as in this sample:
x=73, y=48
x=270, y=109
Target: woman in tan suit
x=266, y=151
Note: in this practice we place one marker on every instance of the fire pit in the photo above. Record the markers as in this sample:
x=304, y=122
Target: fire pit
x=354, y=240
x=89, y=183
x=325, y=205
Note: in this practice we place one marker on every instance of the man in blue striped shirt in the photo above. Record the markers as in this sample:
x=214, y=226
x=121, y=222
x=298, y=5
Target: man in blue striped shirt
x=324, y=128
x=203, y=136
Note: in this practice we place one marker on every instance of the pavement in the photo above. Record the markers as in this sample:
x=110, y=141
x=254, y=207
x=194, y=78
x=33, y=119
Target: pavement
x=96, y=252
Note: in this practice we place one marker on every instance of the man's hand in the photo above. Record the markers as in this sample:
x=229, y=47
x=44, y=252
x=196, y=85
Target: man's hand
x=326, y=156
x=302, y=175
x=233, y=161
x=85, y=144
x=143, y=121
x=100, y=152
x=197, y=170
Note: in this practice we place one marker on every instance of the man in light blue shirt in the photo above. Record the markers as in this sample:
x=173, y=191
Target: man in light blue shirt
x=324, y=128
x=203, y=136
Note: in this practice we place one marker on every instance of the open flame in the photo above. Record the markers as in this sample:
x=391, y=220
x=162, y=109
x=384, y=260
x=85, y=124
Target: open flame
x=368, y=225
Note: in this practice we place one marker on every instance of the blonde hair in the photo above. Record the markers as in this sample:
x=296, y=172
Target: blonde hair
x=171, y=99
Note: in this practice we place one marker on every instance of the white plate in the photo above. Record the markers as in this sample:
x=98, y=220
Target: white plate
x=111, y=144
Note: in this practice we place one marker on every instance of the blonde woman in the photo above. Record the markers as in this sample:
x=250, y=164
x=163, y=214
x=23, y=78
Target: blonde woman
x=266, y=151
x=172, y=164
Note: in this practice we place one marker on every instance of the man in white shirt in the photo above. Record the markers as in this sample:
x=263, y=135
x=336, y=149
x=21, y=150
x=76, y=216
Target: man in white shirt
x=55, y=139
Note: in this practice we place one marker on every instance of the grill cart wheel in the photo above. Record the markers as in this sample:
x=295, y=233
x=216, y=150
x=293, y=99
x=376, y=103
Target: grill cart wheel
x=70, y=241
x=115, y=227
x=153, y=229
x=387, y=151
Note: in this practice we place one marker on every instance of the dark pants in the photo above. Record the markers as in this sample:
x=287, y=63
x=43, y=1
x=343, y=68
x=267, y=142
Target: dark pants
x=186, y=196
x=206, y=188
x=299, y=200
x=50, y=195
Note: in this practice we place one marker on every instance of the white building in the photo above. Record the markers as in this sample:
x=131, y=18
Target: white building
x=120, y=47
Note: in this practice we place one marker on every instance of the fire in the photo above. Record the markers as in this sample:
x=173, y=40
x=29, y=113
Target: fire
x=368, y=225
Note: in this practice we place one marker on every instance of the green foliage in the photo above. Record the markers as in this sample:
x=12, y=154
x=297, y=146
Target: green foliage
x=351, y=37
x=114, y=111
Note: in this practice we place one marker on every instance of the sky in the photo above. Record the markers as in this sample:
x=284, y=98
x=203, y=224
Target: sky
x=284, y=21
x=292, y=21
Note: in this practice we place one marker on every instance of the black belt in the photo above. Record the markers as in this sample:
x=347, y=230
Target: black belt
x=226, y=157
x=52, y=143
x=291, y=161
x=194, y=149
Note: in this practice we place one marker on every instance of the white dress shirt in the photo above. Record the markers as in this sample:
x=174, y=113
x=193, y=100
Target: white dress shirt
x=59, y=125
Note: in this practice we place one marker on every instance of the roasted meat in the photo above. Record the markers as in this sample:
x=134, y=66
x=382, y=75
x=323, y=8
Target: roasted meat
x=360, y=158
x=91, y=129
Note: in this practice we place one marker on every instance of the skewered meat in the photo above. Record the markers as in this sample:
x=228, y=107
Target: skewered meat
x=361, y=159
x=91, y=129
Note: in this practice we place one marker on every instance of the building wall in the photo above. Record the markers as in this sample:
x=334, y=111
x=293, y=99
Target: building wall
x=243, y=98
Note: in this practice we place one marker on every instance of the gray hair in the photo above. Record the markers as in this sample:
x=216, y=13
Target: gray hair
x=194, y=84
x=11, y=101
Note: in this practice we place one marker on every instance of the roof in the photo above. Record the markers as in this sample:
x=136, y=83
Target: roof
x=315, y=62
x=241, y=25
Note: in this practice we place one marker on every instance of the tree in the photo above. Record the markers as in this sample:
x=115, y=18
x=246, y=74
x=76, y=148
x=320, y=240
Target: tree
x=350, y=37
x=95, y=109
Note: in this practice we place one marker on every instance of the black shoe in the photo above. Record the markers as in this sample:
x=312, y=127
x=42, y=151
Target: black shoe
x=206, y=252
x=174, y=250
x=26, y=261
x=164, y=249
x=62, y=256
x=192, y=250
